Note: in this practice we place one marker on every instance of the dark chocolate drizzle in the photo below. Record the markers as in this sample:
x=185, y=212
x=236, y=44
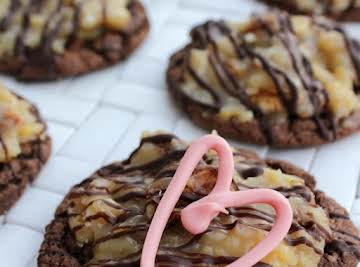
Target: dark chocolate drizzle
x=317, y=93
x=251, y=172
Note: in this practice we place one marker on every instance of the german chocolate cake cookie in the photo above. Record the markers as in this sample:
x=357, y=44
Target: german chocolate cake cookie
x=104, y=220
x=277, y=79
x=24, y=146
x=51, y=39
x=346, y=10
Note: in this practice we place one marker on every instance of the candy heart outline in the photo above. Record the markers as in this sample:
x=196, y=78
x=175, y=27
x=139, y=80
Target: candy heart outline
x=219, y=198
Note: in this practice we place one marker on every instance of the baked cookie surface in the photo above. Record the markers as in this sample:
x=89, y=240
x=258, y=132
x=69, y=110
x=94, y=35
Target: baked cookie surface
x=51, y=39
x=345, y=10
x=24, y=146
x=276, y=79
x=103, y=220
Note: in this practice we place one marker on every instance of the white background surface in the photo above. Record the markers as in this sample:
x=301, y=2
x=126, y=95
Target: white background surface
x=98, y=118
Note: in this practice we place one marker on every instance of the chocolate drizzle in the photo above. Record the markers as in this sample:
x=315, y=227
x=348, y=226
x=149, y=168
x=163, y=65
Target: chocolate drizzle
x=316, y=91
x=4, y=147
x=133, y=190
x=206, y=36
x=251, y=172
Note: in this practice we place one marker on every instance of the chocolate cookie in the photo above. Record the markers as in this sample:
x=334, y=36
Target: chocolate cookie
x=344, y=10
x=24, y=146
x=51, y=39
x=103, y=220
x=277, y=79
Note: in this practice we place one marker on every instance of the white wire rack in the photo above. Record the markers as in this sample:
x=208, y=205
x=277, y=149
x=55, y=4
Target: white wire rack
x=98, y=118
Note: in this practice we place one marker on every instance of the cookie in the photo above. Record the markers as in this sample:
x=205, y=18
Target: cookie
x=277, y=79
x=53, y=39
x=103, y=220
x=24, y=146
x=343, y=10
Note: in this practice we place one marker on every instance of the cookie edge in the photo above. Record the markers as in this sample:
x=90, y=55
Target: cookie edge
x=42, y=147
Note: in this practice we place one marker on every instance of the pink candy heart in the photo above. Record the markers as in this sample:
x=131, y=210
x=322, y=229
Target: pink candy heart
x=197, y=216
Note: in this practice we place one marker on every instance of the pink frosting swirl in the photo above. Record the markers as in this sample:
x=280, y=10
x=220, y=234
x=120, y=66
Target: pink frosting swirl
x=197, y=216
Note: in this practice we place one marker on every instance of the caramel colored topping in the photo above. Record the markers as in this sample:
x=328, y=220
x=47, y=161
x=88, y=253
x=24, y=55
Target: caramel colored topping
x=18, y=124
x=117, y=16
x=111, y=212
